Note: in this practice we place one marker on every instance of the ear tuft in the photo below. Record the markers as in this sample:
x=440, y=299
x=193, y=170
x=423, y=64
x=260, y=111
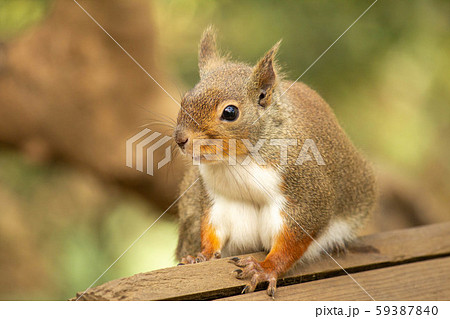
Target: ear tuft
x=207, y=51
x=265, y=76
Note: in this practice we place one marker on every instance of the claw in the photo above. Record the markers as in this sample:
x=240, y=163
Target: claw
x=234, y=259
x=272, y=288
x=238, y=273
x=271, y=292
x=246, y=289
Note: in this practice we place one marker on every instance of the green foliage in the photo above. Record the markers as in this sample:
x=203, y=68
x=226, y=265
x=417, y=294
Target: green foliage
x=17, y=15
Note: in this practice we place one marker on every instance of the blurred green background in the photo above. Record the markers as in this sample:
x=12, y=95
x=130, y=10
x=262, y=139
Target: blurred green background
x=64, y=221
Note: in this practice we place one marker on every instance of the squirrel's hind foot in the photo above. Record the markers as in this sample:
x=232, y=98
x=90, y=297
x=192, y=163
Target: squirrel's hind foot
x=252, y=269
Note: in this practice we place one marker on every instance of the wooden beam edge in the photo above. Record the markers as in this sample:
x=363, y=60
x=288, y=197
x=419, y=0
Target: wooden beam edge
x=212, y=280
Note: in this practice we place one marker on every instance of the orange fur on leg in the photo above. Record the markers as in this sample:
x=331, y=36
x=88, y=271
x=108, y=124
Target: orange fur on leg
x=288, y=248
x=210, y=243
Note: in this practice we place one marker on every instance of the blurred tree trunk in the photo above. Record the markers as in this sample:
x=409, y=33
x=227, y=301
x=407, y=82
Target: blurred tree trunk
x=67, y=91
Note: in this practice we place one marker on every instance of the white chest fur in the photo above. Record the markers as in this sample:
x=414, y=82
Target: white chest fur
x=246, y=205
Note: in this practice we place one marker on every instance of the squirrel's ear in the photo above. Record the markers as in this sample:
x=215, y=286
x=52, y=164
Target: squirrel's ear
x=264, y=76
x=207, y=51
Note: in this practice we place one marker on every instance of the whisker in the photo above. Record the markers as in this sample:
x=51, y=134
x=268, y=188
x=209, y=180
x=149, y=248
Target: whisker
x=159, y=115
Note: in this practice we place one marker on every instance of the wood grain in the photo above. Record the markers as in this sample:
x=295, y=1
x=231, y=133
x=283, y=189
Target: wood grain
x=424, y=280
x=213, y=279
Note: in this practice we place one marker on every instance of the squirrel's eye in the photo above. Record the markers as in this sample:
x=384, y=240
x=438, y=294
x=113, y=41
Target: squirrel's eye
x=262, y=95
x=230, y=113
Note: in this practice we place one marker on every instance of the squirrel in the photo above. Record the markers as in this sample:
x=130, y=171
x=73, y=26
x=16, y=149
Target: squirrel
x=292, y=211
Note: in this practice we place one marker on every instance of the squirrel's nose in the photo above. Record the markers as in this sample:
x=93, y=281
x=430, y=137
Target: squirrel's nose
x=181, y=139
x=182, y=142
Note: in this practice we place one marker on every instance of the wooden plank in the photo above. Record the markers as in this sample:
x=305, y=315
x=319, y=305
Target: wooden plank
x=213, y=279
x=424, y=280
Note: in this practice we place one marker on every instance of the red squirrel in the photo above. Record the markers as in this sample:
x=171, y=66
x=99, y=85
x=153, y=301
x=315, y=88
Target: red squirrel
x=266, y=202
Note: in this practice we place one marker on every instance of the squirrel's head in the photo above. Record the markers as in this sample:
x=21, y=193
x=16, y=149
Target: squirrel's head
x=227, y=101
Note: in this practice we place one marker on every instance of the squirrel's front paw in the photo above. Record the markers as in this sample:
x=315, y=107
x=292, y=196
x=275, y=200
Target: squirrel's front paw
x=253, y=270
x=200, y=258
